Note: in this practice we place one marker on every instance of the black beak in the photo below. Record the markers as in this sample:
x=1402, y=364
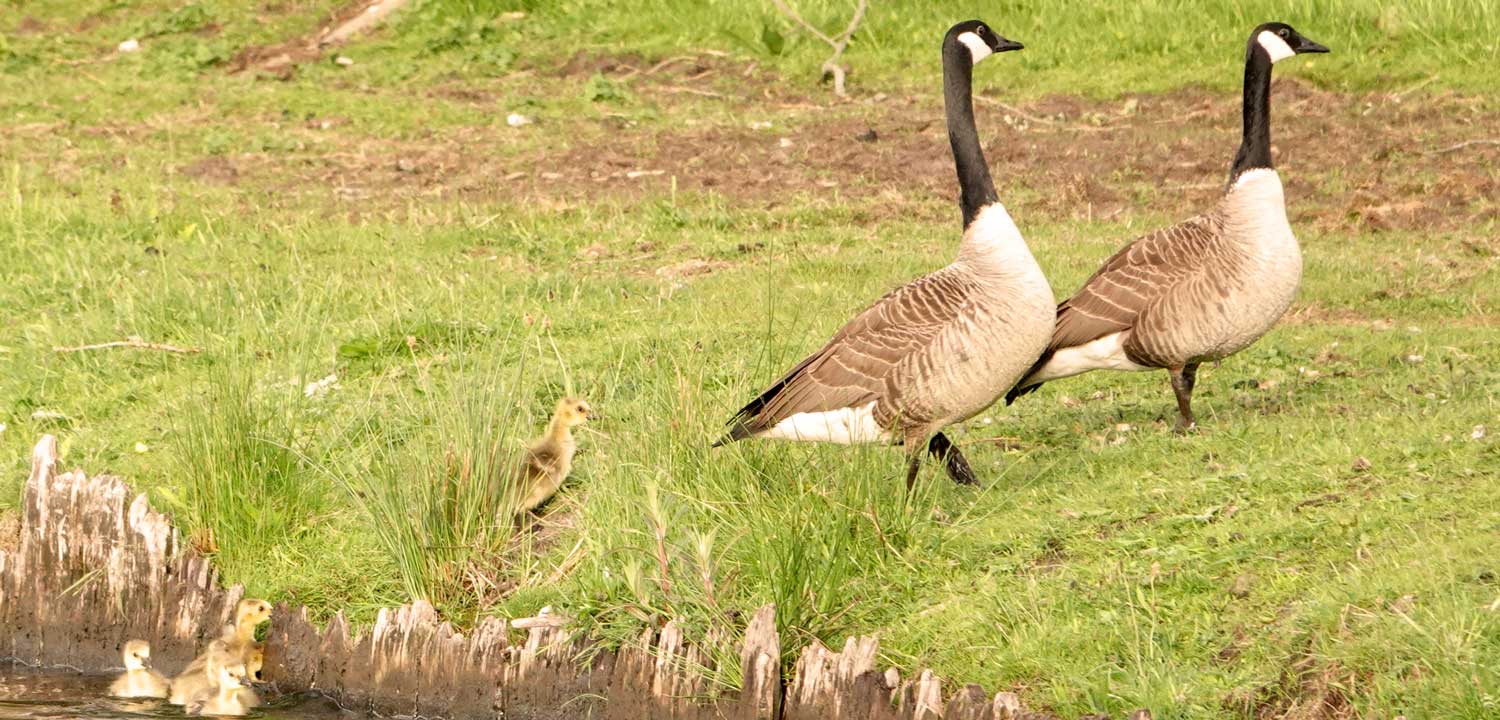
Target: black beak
x=1007, y=45
x=1308, y=46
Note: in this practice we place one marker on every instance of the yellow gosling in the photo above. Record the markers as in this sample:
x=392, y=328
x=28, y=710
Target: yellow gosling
x=199, y=675
x=234, y=641
x=255, y=659
x=549, y=459
x=224, y=696
x=139, y=680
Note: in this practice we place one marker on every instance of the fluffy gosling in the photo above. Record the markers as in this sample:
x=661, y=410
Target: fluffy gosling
x=201, y=673
x=234, y=642
x=548, y=460
x=255, y=659
x=248, y=614
x=225, y=696
x=138, y=680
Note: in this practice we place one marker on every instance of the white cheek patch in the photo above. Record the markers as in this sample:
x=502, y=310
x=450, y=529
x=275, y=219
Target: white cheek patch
x=1274, y=46
x=978, y=49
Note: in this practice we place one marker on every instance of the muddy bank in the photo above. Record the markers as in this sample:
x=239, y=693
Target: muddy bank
x=97, y=566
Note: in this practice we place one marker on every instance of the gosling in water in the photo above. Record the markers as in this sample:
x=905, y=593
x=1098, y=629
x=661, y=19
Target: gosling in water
x=233, y=644
x=549, y=459
x=139, y=680
x=255, y=659
x=225, y=696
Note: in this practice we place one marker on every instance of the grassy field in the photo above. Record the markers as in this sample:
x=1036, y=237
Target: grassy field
x=383, y=275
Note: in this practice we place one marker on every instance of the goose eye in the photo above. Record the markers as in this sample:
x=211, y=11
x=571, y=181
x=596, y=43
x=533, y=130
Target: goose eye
x=1282, y=32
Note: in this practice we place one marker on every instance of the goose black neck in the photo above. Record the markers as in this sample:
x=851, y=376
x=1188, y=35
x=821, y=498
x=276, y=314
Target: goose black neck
x=1255, y=147
x=977, y=190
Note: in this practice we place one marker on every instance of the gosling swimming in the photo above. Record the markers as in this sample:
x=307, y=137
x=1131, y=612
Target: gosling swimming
x=138, y=680
x=226, y=695
x=234, y=642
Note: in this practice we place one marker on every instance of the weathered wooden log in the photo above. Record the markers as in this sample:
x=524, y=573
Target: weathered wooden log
x=97, y=566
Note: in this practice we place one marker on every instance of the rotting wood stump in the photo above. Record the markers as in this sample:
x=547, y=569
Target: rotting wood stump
x=97, y=566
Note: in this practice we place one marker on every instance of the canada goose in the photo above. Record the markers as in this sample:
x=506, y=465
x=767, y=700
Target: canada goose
x=224, y=695
x=547, y=461
x=234, y=641
x=939, y=349
x=1200, y=290
x=138, y=680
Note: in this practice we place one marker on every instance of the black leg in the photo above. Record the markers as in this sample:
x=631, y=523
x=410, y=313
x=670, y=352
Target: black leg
x=912, y=466
x=953, y=461
x=1183, y=379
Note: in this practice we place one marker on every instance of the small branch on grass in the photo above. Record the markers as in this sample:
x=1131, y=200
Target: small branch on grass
x=1014, y=110
x=839, y=43
x=1076, y=127
x=1464, y=144
x=676, y=89
x=654, y=69
x=372, y=16
x=1399, y=96
x=130, y=342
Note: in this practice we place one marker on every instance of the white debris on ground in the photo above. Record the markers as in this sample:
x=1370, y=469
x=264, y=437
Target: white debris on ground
x=319, y=386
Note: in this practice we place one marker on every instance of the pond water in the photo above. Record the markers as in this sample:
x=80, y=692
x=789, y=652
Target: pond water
x=27, y=694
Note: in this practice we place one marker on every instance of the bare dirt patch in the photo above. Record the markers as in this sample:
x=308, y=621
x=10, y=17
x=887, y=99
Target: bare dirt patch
x=1352, y=163
x=30, y=26
x=213, y=169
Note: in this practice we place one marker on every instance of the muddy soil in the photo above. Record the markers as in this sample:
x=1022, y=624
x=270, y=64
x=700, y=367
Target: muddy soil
x=1366, y=163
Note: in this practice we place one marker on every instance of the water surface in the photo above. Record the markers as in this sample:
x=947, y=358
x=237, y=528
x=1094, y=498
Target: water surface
x=27, y=694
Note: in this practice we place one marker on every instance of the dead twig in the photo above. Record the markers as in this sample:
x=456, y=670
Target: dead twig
x=654, y=69
x=1014, y=110
x=1464, y=144
x=372, y=16
x=130, y=342
x=1045, y=121
x=677, y=89
x=831, y=66
x=1399, y=96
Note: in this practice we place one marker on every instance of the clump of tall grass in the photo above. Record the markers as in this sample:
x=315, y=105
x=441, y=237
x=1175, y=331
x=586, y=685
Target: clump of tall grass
x=673, y=530
x=438, y=489
x=243, y=486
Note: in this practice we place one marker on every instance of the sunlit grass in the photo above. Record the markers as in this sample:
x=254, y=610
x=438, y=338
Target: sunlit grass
x=1337, y=509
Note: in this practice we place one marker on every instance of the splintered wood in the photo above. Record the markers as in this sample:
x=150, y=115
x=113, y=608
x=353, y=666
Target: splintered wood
x=96, y=566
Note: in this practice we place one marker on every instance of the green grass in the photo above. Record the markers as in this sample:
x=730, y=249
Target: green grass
x=1336, y=512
